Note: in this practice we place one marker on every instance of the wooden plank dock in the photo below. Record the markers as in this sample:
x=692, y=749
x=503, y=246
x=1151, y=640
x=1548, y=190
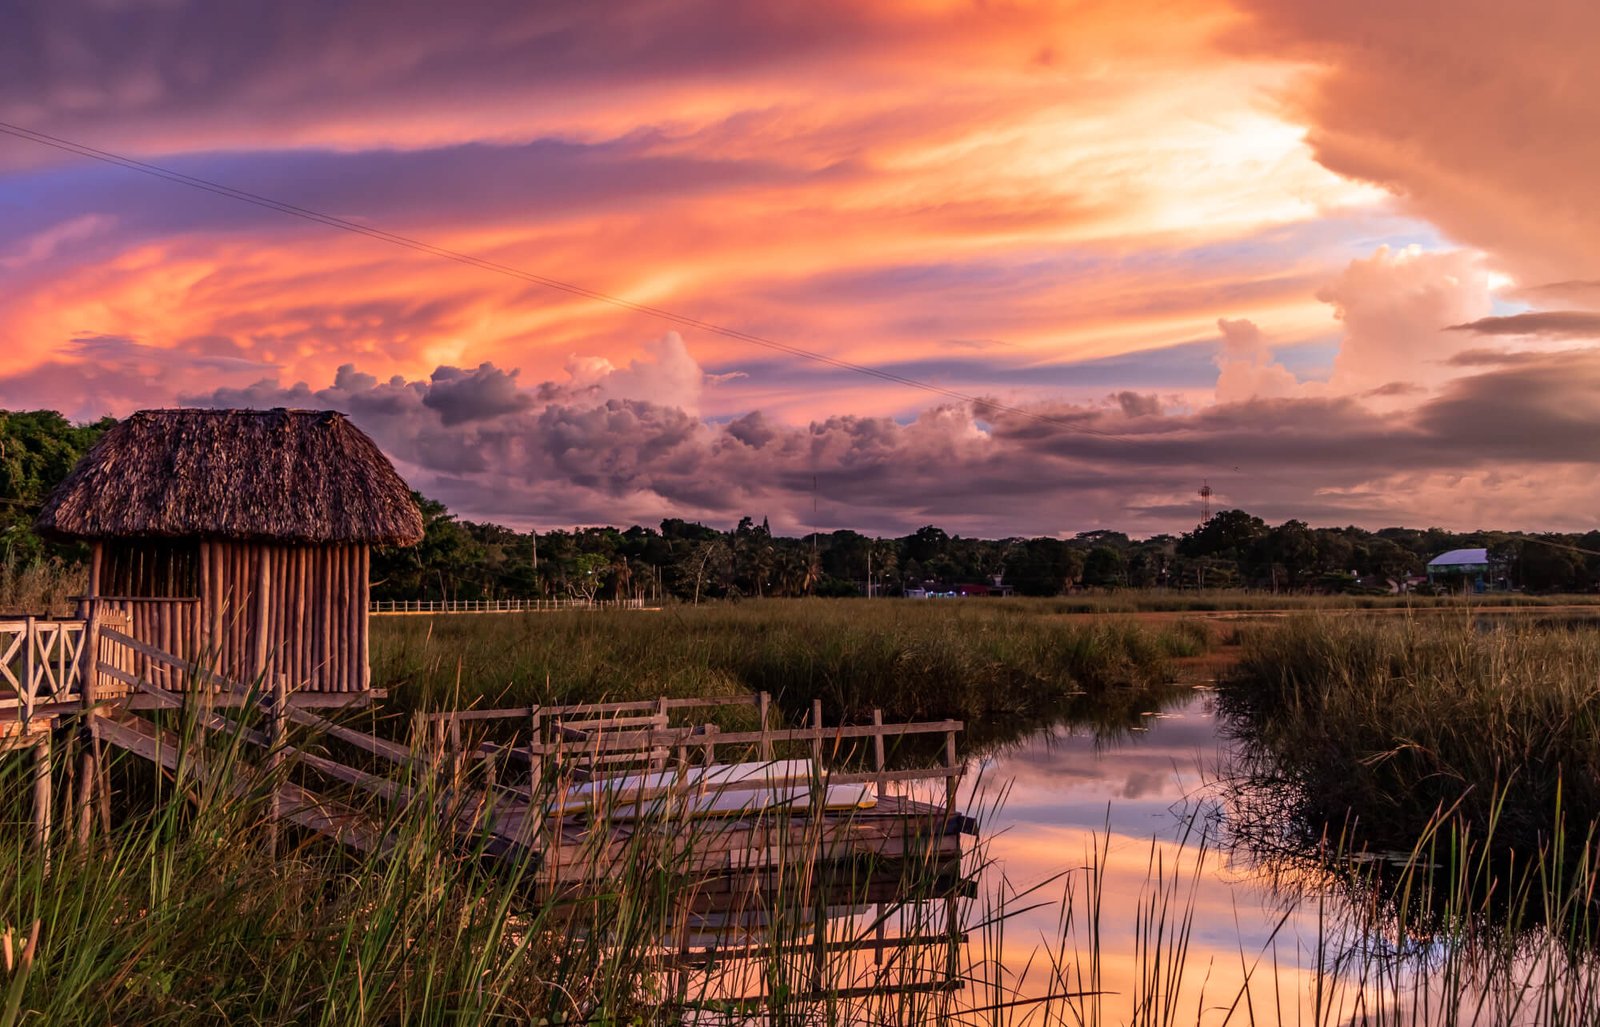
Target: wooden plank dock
x=574, y=797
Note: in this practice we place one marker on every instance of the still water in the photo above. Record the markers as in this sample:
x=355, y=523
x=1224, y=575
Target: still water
x=1175, y=918
x=1134, y=820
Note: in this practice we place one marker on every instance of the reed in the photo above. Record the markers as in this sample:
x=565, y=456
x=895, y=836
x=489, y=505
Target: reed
x=1382, y=725
x=1001, y=667
x=42, y=587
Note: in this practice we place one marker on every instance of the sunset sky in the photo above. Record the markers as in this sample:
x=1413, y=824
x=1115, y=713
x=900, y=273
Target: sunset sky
x=1341, y=260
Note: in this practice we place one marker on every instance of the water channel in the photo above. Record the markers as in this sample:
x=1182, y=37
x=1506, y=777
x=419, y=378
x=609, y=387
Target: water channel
x=1175, y=919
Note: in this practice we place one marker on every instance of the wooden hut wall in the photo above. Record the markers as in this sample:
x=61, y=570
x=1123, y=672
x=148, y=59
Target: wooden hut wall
x=154, y=587
x=242, y=610
x=296, y=611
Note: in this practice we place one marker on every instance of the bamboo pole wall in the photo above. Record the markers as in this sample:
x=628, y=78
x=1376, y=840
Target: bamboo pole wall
x=246, y=609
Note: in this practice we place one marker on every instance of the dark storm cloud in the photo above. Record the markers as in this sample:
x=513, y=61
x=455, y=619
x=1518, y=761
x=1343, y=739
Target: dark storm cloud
x=1135, y=404
x=487, y=392
x=1559, y=324
x=559, y=454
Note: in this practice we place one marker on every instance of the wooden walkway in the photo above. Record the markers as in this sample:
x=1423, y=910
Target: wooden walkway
x=508, y=781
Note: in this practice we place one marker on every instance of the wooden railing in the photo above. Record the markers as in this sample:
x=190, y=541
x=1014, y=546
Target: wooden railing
x=169, y=627
x=599, y=733
x=386, y=606
x=40, y=663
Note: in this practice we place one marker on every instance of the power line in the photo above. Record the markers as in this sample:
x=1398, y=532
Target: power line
x=408, y=242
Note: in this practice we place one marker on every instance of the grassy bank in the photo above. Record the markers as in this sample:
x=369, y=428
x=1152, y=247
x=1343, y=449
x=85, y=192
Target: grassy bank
x=999, y=666
x=1382, y=727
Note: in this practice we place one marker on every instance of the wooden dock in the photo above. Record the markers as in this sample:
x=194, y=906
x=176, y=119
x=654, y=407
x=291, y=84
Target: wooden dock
x=575, y=798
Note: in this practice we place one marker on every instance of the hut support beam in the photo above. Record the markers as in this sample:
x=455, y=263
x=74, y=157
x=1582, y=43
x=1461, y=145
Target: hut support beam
x=258, y=670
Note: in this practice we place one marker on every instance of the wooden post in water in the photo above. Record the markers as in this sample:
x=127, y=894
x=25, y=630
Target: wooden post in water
x=878, y=755
x=764, y=705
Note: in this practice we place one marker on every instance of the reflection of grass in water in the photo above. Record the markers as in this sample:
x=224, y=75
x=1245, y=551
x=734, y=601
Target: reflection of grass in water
x=1384, y=724
x=1001, y=666
x=1439, y=780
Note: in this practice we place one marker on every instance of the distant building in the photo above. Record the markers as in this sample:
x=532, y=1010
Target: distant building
x=1466, y=568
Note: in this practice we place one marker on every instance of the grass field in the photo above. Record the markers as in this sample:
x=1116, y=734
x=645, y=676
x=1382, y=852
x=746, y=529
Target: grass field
x=1001, y=667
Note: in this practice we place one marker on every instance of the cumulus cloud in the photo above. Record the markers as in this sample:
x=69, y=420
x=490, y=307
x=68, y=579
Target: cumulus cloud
x=569, y=453
x=1394, y=306
x=1245, y=368
x=1473, y=115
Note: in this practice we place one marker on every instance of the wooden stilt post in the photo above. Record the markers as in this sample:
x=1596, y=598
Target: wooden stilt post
x=89, y=763
x=43, y=799
x=278, y=736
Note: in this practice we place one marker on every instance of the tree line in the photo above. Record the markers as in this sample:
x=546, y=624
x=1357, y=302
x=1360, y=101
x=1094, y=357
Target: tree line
x=684, y=560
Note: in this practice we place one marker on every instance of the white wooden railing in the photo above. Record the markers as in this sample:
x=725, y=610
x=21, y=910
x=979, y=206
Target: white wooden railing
x=39, y=663
x=386, y=606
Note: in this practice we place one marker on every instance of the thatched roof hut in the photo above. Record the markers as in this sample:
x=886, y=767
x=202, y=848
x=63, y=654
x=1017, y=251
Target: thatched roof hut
x=285, y=476
x=237, y=539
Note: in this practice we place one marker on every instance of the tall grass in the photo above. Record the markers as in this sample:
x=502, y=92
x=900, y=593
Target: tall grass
x=1381, y=725
x=39, y=587
x=178, y=915
x=1002, y=668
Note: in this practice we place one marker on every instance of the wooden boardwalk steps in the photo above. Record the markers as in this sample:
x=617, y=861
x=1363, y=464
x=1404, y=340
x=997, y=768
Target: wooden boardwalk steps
x=298, y=805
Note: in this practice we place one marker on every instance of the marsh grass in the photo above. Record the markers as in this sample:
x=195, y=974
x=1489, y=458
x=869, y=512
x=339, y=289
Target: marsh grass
x=41, y=587
x=1382, y=725
x=1001, y=667
x=177, y=915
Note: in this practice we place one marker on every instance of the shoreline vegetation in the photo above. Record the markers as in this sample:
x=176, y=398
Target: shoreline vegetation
x=1391, y=763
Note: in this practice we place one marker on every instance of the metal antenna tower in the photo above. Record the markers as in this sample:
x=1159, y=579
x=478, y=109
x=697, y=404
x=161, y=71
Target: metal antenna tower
x=1205, y=502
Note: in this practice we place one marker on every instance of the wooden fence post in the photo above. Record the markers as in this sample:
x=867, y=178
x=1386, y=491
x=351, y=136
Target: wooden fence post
x=877, y=752
x=816, y=733
x=764, y=704
x=950, y=785
x=30, y=667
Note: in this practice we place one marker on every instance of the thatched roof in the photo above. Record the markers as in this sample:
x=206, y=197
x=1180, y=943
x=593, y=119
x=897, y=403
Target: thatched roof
x=260, y=475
